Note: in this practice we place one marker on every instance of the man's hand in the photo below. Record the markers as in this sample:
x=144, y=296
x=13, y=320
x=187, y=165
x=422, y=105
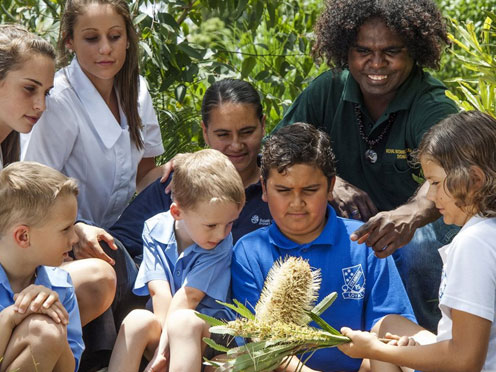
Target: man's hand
x=39, y=299
x=351, y=202
x=387, y=231
x=89, y=242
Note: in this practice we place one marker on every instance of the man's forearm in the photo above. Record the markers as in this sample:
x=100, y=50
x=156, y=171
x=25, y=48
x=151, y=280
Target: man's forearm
x=423, y=211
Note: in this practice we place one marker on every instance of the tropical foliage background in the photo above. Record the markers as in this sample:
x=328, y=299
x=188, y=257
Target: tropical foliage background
x=187, y=44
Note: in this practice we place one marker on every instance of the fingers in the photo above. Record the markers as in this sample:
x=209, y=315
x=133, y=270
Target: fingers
x=109, y=239
x=167, y=168
x=34, y=297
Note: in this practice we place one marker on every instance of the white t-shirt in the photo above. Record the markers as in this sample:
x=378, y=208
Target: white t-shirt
x=79, y=135
x=468, y=281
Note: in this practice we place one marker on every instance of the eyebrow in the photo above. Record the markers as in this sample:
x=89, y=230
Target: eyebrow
x=34, y=81
x=95, y=29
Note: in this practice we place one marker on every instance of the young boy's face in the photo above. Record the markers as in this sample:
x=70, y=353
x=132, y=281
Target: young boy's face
x=207, y=224
x=298, y=201
x=53, y=238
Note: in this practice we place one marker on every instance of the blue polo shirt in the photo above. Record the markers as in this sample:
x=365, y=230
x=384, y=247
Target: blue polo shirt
x=205, y=269
x=368, y=288
x=59, y=281
x=153, y=200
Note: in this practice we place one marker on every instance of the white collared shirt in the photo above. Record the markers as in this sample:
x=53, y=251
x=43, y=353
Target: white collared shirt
x=78, y=135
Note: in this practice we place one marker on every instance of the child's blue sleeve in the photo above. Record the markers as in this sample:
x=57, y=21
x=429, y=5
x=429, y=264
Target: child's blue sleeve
x=154, y=265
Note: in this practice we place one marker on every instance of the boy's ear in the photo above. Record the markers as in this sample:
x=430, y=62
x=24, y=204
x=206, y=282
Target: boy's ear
x=264, y=189
x=330, y=196
x=175, y=211
x=21, y=236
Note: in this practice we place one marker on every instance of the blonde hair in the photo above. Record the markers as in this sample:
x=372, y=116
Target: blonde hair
x=27, y=192
x=17, y=44
x=458, y=143
x=127, y=79
x=206, y=175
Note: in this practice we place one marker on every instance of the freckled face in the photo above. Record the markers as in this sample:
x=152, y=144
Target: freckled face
x=379, y=60
x=100, y=42
x=23, y=92
x=436, y=176
x=297, y=201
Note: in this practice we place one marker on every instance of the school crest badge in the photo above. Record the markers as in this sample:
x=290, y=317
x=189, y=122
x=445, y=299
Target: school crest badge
x=354, y=283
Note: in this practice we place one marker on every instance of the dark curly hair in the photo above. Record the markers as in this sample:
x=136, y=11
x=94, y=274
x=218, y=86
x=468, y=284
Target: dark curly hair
x=418, y=22
x=299, y=143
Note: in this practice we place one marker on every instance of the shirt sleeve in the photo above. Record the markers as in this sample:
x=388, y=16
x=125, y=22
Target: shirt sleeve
x=154, y=265
x=471, y=276
x=53, y=137
x=247, y=279
x=74, y=330
x=151, y=130
x=385, y=291
x=211, y=273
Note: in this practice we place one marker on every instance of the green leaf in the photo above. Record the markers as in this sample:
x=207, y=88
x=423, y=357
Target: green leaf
x=323, y=324
x=210, y=320
x=247, y=66
x=215, y=345
x=325, y=303
x=239, y=308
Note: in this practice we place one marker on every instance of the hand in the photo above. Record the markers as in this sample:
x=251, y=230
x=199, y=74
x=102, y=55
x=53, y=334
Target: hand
x=396, y=340
x=89, y=246
x=159, y=363
x=387, y=231
x=40, y=299
x=362, y=345
x=167, y=168
x=351, y=202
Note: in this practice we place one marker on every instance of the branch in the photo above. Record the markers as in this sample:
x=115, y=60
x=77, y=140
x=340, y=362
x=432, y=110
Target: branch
x=185, y=12
x=261, y=55
x=7, y=13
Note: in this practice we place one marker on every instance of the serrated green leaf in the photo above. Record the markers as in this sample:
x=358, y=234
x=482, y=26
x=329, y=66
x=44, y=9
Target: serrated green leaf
x=323, y=324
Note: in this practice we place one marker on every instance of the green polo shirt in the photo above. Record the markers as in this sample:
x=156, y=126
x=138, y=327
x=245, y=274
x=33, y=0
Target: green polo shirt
x=328, y=103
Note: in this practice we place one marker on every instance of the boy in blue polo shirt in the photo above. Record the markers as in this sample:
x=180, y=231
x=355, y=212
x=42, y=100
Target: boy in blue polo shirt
x=186, y=266
x=40, y=328
x=298, y=175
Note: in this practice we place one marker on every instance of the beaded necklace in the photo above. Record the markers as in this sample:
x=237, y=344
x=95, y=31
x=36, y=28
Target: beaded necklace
x=370, y=154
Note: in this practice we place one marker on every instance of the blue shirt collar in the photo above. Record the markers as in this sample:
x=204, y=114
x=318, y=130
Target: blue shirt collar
x=328, y=235
x=42, y=278
x=163, y=232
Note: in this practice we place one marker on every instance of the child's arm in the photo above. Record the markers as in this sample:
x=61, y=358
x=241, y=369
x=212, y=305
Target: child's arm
x=184, y=298
x=161, y=298
x=466, y=351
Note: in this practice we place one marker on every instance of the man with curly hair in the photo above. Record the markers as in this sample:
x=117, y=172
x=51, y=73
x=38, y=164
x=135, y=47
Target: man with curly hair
x=376, y=103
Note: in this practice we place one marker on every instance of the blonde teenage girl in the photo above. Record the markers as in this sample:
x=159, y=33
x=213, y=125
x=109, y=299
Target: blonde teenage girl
x=100, y=126
x=459, y=162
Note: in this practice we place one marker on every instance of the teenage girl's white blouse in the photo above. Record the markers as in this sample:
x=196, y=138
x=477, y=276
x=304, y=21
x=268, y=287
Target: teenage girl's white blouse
x=79, y=135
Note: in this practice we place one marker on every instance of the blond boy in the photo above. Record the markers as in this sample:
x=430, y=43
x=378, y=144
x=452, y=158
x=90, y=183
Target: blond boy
x=39, y=317
x=186, y=266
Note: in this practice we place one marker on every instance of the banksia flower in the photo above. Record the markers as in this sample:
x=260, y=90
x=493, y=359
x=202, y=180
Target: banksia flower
x=279, y=328
x=290, y=291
